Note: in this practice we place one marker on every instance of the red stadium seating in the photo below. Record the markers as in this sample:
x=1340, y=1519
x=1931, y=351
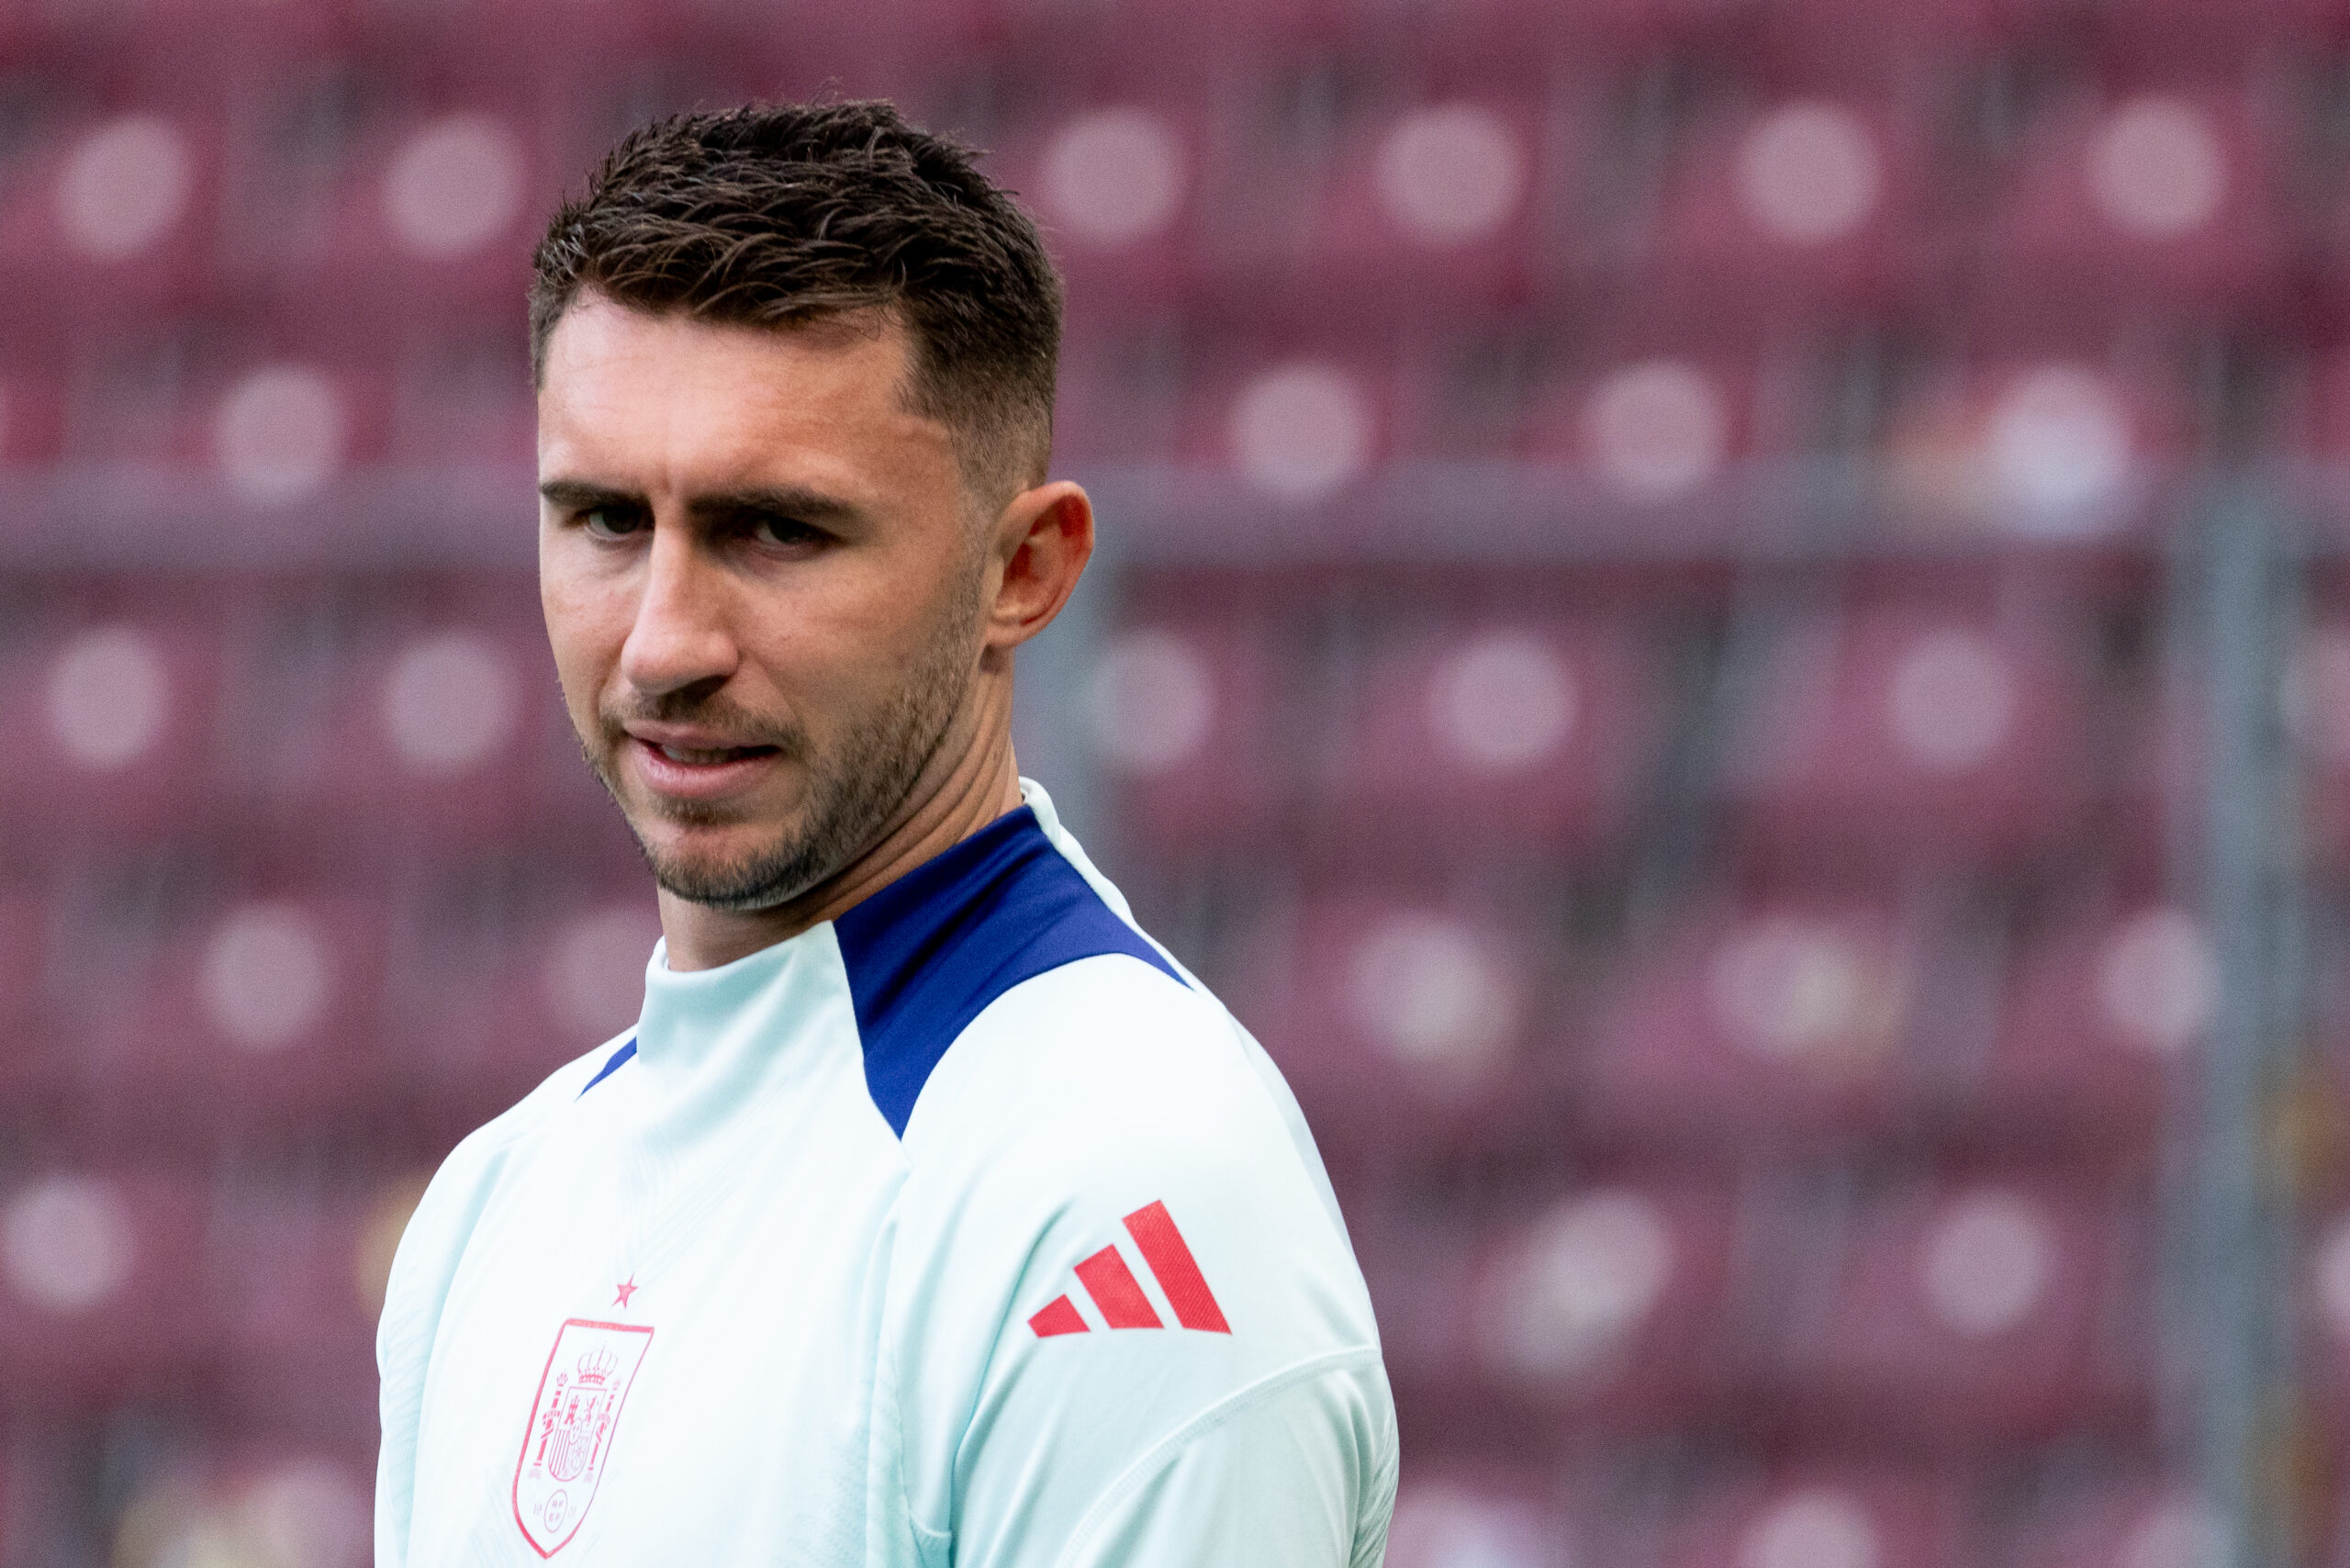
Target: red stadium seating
x=1436, y=204
x=254, y=1499
x=2160, y=197
x=1294, y=430
x=425, y=722
x=1528, y=732
x=1770, y=1023
x=1120, y=185
x=303, y=1278
x=114, y=705
x=1402, y=1016
x=1470, y=1517
x=102, y=1280
x=1657, y=431
x=430, y=205
x=114, y=217
x=1610, y=1308
x=1971, y=1310
x=489, y=1002
x=2121, y=1520
x=266, y=1010
x=32, y=418
x=1922, y=729
x=2055, y=451
x=2104, y=1015
x=1819, y=1517
x=1793, y=208
x=1188, y=721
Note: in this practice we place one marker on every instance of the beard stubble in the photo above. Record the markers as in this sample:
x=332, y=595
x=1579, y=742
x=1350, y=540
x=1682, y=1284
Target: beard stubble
x=852, y=790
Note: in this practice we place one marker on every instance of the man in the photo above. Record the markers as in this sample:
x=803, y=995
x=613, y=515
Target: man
x=930, y=1213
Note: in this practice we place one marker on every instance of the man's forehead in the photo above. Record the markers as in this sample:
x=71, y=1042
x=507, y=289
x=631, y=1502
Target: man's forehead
x=631, y=384
x=599, y=347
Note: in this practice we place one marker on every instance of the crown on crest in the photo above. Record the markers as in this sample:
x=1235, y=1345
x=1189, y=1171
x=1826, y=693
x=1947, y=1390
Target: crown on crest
x=597, y=1367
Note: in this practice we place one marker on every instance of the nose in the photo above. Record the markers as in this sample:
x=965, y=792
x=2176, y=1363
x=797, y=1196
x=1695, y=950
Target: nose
x=680, y=638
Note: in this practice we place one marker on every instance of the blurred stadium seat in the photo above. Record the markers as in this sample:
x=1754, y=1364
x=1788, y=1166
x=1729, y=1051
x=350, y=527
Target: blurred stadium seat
x=1919, y=724
x=114, y=704
x=1644, y=624
x=103, y=1270
x=2102, y=1016
x=1822, y=1519
x=1187, y=716
x=1802, y=206
x=1400, y=1017
x=1770, y=1024
x=2168, y=192
x=1973, y=1309
x=1504, y=733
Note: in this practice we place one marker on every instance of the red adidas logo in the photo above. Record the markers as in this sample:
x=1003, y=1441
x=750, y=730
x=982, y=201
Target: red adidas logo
x=1118, y=1295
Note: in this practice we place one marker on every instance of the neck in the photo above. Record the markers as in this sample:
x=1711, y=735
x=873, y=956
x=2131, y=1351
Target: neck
x=965, y=788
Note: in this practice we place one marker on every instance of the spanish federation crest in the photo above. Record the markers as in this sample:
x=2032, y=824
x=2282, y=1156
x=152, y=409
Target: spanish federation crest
x=570, y=1436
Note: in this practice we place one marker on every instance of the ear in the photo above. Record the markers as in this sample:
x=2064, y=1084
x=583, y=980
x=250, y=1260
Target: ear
x=1043, y=539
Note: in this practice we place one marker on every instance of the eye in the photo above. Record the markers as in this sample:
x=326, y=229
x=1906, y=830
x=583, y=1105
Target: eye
x=787, y=531
x=611, y=521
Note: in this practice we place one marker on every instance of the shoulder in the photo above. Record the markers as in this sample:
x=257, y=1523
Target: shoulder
x=1104, y=1104
x=454, y=1200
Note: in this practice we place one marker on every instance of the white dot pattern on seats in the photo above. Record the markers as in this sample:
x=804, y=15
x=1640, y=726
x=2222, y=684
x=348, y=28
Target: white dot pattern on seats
x=449, y=702
x=1503, y=702
x=1584, y=1276
x=2158, y=981
x=1451, y=174
x=2330, y=1272
x=2179, y=1532
x=279, y=435
x=2157, y=169
x=1809, y=173
x=1114, y=176
x=125, y=186
x=266, y=977
x=1986, y=1263
x=108, y=697
x=1441, y=1526
x=1150, y=703
x=1821, y=1528
x=1656, y=429
x=1784, y=988
x=595, y=973
x=1431, y=995
x=1301, y=432
x=2059, y=446
x=308, y=1511
x=67, y=1243
x=1950, y=702
x=454, y=186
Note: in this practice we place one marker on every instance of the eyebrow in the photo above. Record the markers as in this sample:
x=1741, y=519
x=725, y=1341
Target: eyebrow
x=786, y=500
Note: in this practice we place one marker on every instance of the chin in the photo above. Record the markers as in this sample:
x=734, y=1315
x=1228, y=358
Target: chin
x=738, y=870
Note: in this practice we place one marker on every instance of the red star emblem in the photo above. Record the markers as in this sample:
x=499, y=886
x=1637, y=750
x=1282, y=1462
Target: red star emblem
x=628, y=1288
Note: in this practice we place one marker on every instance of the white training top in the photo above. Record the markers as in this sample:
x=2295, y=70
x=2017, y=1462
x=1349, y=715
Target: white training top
x=966, y=1228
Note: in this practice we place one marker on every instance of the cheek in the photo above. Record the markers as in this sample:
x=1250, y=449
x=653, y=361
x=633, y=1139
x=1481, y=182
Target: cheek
x=585, y=633
x=838, y=659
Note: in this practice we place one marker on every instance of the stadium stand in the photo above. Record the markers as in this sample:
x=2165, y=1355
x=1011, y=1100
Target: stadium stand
x=1640, y=645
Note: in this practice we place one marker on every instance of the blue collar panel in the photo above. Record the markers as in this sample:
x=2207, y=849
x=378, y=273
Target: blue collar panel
x=928, y=953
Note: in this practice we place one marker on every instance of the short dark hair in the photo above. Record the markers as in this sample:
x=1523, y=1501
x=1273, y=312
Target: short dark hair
x=777, y=214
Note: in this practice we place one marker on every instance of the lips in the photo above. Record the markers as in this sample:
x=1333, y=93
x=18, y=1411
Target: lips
x=699, y=766
x=705, y=756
